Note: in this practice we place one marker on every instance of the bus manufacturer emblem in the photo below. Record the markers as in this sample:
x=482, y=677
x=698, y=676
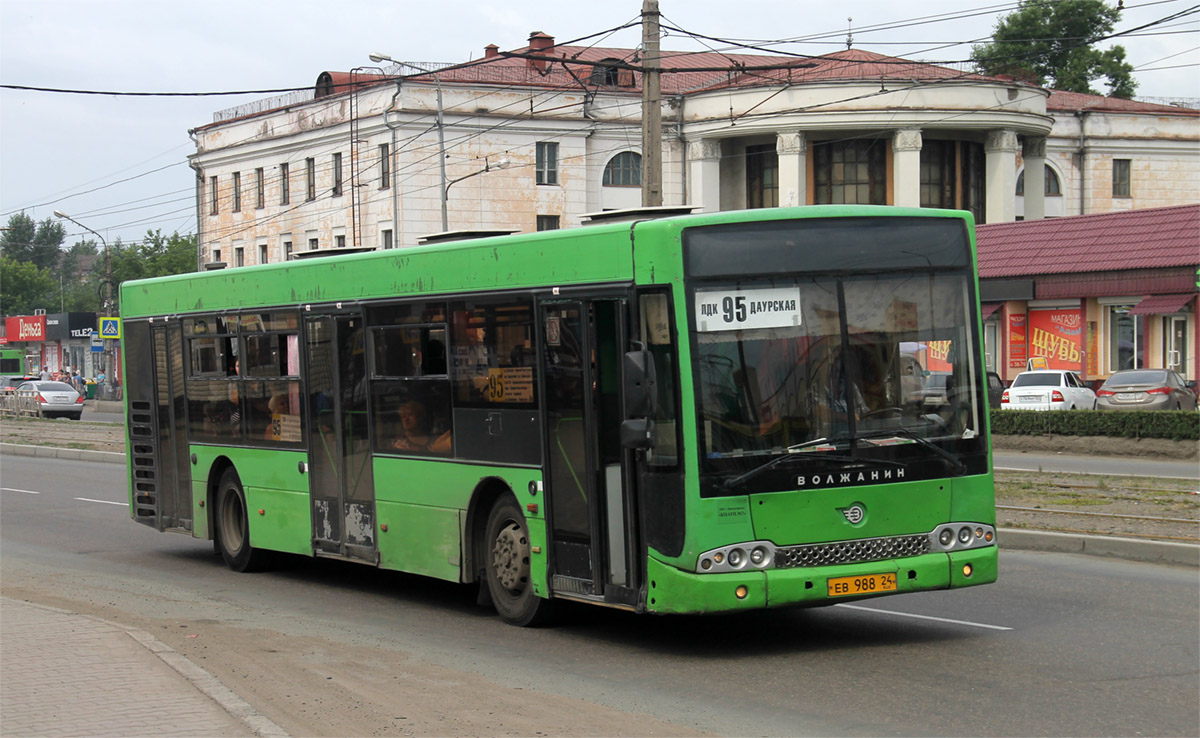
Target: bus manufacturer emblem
x=853, y=514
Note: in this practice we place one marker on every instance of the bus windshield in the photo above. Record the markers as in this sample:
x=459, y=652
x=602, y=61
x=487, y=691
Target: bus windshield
x=834, y=371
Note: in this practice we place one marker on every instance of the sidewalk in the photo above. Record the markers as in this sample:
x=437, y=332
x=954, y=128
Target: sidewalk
x=65, y=674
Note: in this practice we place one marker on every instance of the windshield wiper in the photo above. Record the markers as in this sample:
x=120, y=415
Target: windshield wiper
x=956, y=466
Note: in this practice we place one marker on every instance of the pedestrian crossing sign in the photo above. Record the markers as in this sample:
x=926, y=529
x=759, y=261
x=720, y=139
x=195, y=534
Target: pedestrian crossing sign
x=110, y=329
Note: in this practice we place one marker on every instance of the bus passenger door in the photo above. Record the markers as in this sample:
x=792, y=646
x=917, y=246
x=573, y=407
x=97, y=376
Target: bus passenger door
x=589, y=511
x=340, y=481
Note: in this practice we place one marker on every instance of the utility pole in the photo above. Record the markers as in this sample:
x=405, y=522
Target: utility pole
x=651, y=107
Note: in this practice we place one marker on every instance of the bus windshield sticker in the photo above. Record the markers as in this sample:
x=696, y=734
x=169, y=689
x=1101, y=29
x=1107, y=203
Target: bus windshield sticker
x=729, y=310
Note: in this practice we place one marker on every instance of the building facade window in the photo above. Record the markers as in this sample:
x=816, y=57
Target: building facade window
x=547, y=163
x=337, y=174
x=548, y=222
x=239, y=256
x=385, y=166
x=1121, y=186
x=339, y=241
x=237, y=192
x=1125, y=336
x=850, y=172
x=1052, y=184
x=624, y=170
x=262, y=253
x=386, y=237
x=216, y=254
x=285, y=186
x=213, y=208
x=287, y=250
x=762, y=177
x=310, y=178
x=952, y=176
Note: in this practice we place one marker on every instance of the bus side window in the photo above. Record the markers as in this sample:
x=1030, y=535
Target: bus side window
x=654, y=318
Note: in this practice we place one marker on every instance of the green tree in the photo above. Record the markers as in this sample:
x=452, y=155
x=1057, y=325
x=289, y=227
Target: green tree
x=1052, y=43
x=16, y=241
x=155, y=256
x=25, y=287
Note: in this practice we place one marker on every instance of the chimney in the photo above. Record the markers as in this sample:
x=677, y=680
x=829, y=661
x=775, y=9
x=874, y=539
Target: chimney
x=540, y=44
x=491, y=51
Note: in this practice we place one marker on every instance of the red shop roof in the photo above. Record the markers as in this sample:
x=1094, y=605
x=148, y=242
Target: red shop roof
x=1136, y=239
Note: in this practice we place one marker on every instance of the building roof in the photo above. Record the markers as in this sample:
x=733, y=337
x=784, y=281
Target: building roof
x=1137, y=239
x=1078, y=102
x=694, y=71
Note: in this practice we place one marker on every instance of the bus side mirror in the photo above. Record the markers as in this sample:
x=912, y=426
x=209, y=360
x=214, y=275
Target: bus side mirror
x=641, y=390
x=637, y=433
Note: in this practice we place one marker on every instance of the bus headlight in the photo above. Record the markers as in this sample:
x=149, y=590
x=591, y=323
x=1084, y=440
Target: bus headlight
x=752, y=555
x=958, y=536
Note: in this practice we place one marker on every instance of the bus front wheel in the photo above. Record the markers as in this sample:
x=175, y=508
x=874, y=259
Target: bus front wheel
x=508, y=566
x=233, y=525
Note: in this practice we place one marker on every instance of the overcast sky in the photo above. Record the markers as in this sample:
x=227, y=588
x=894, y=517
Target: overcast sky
x=71, y=152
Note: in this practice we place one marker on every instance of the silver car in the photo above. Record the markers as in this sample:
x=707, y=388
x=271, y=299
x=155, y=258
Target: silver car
x=1145, y=389
x=54, y=398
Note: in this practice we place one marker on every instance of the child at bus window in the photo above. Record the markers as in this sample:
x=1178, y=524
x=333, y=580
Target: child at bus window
x=417, y=433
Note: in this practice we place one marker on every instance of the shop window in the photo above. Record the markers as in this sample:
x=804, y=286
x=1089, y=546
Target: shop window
x=1125, y=336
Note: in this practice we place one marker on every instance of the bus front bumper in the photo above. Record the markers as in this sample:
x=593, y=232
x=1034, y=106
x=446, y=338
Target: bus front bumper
x=671, y=590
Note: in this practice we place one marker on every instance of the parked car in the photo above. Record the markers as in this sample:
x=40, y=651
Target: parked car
x=55, y=398
x=10, y=382
x=1145, y=389
x=1047, y=389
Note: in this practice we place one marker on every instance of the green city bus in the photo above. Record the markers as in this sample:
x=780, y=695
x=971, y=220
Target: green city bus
x=681, y=414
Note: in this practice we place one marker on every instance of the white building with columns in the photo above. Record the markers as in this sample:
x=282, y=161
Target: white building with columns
x=378, y=158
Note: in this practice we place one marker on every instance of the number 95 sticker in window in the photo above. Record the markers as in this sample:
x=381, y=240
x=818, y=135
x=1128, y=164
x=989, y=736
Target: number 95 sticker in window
x=730, y=310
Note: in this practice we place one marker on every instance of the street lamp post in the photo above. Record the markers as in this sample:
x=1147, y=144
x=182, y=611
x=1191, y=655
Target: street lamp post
x=108, y=301
x=487, y=167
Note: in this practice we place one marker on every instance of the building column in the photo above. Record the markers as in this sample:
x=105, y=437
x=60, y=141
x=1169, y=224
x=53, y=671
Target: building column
x=1033, y=150
x=906, y=168
x=1000, y=180
x=792, y=149
x=704, y=174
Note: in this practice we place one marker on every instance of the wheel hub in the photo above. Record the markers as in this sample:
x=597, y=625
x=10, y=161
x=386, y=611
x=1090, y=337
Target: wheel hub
x=510, y=557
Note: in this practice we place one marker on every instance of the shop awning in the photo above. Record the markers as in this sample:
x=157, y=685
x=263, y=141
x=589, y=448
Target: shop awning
x=1162, y=304
x=990, y=308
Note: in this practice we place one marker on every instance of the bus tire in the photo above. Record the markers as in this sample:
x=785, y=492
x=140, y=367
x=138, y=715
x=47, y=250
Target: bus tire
x=507, y=558
x=233, y=525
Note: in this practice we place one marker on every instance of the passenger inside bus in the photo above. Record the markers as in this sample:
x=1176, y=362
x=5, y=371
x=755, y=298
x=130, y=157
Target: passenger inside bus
x=418, y=433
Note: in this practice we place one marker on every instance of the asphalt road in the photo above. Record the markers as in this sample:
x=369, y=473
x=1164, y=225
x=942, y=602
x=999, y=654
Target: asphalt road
x=1061, y=645
x=1115, y=465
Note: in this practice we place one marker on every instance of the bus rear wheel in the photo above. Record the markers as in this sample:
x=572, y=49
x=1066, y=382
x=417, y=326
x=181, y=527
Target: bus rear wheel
x=233, y=525
x=507, y=556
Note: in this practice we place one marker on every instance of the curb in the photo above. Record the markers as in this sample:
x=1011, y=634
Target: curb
x=205, y=683
x=74, y=454
x=1131, y=549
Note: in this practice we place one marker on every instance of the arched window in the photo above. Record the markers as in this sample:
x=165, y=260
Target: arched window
x=1053, y=186
x=624, y=169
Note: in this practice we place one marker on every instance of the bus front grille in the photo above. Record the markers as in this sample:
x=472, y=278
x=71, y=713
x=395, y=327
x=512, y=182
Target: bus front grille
x=851, y=552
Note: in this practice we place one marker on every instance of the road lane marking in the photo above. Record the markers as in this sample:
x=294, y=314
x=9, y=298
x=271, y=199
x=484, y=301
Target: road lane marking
x=924, y=617
x=103, y=502
x=25, y=491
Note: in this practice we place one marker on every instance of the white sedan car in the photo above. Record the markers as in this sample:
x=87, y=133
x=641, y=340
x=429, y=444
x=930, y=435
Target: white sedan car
x=1048, y=389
